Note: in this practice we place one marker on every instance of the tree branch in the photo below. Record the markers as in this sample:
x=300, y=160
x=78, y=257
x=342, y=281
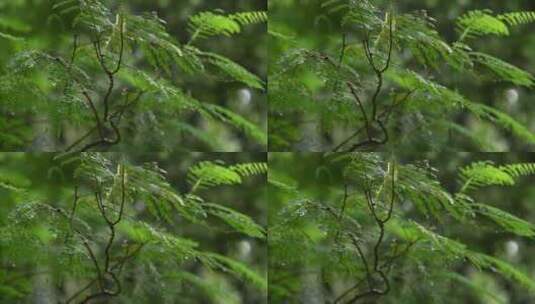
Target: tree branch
x=377, y=269
x=362, y=110
x=108, y=270
x=374, y=118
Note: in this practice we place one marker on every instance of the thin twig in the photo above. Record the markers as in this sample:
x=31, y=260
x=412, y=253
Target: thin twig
x=362, y=258
x=95, y=263
x=348, y=291
x=347, y=140
x=108, y=268
x=374, y=118
x=74, y=205
x=362, y=110
x=377, y=266
x=342, y=210
x=106, y=99
x=74, y=48
x=86, y=135
x=343, y=49
x=79, y=292
x=95, y=113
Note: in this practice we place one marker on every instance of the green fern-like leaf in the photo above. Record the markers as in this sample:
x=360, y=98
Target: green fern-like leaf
x=249, y=18
x=506, y=220
x=486, y=173
x=502, y=120
x=233, y=70
x=518, y=18
x=505, y=71
x=207, y=24
x=144, y=233
x=483, y=174
x=360, y=13
x=211, y=24
x=233, y=119
x=236, y=220
x=481, y=22
x=509, y=272
x=250, y=169
x=209, y=174
x=217, y=261
x=454, y=249
x=518, y=170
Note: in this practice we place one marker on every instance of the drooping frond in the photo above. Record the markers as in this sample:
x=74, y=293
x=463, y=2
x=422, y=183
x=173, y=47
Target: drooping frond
x=162, y=51
x=411, y=230
x=418, y=33
x=240, y=222
x=431, y=197
x=481, y=291
x=217, y=261
x=211, y=24
x=506, y=220
x=237, y=121
x=508, y=271
x=502, y=120
x=25, y=70
x=233, y=70
x=435, y=94
x=505, y=71
x=183, y=249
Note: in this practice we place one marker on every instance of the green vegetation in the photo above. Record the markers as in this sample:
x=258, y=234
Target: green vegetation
x=93, y=228
x=367, y=228
x=360, y=127
x=377, y=75
x=98, y=75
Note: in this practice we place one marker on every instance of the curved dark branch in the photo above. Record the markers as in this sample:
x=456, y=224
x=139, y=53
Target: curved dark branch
x=362, y=110
x=111, y=272
x=377, y=270
x=374, y=118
